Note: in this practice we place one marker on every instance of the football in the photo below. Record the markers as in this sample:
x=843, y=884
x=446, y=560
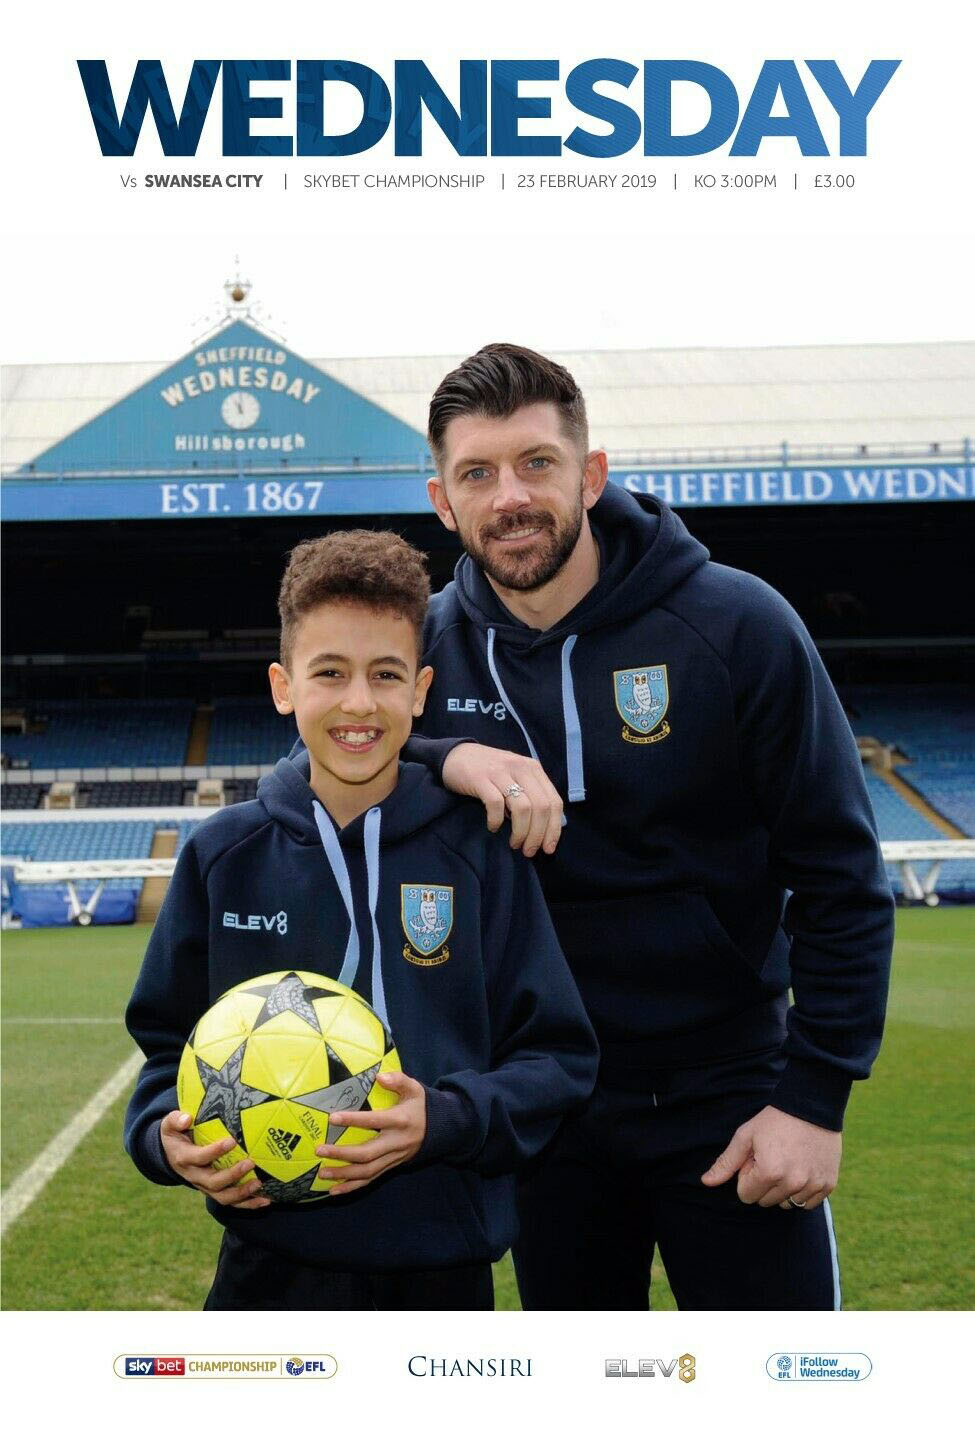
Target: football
x=270, y=1061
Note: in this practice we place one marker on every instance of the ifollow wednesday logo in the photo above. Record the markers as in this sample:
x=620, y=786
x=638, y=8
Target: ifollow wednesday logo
x=823, y=1365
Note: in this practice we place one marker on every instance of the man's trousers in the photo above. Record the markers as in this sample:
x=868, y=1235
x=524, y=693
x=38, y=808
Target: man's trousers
x=623, y=1177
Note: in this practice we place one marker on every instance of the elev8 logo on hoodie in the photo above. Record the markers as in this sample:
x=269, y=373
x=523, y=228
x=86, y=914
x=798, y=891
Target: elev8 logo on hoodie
x=257, y=922
x=484, y=707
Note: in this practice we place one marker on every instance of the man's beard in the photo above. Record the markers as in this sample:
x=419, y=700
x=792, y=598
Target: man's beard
x=532, y=568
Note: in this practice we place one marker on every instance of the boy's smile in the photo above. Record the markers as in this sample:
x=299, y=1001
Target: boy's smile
x=354, y=688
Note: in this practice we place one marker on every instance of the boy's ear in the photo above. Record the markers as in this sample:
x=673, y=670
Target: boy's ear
x=423, y=682
x=280, y=688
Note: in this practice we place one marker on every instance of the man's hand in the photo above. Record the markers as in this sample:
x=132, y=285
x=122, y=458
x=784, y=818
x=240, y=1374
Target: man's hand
x=194, y=1164
x=485, y=773
x=401, y=1131
x=778, y=1156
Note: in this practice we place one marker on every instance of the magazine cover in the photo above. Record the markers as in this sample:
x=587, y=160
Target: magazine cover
x=488, y=762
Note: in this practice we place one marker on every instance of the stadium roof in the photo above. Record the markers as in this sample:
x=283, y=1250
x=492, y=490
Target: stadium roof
x=665, y=402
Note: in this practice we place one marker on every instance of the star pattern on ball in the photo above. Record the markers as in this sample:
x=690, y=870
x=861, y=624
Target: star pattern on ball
x=349, y=1094
x=225, y=1095
x=281, y=1191
x=289, y=995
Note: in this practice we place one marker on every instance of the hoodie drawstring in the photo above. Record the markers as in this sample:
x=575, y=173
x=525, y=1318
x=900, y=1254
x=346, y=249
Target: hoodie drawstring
x=371, y=840
x=570, y=718
x=573, y=732
x=504, y=698
x=340, y=871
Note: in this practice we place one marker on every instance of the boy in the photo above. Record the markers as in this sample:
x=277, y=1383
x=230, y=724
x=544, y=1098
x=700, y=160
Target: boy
x=486, y=1016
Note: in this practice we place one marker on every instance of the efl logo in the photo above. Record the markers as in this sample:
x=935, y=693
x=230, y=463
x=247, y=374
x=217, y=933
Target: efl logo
x=154, y=1364
x=296, y=1365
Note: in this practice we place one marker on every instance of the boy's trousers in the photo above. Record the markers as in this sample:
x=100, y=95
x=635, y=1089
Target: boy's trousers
x=623, y=1176
x=251, y=1278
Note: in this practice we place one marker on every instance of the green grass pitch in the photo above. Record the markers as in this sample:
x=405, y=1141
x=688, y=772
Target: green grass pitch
x=99, y=1237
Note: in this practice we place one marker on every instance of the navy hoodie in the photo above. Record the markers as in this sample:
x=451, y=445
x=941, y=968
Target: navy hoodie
x=495, y=1031
x=707, y=768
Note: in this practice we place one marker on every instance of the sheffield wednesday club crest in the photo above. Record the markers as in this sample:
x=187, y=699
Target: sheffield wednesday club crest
x=642, y=696
x=427, y=913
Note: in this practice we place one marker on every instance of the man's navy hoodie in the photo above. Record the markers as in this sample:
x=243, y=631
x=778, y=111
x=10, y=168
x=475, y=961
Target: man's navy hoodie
x=495, y=1031
x=685, y=832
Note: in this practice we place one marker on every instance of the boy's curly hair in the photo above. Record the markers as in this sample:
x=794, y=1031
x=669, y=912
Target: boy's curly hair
x=377, y=569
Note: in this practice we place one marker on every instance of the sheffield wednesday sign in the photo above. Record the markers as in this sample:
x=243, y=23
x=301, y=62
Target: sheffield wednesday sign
x=242, y=426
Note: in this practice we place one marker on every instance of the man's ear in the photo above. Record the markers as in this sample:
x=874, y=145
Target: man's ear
x=594, y=478
x=423, y=682
x=280, y=688
x=438, y=500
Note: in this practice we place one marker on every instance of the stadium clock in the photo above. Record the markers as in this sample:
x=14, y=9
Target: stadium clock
x=240, y=409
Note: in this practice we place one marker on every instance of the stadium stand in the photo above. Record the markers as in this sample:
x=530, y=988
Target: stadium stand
x=934, y=723
x=237, y=790
x=17, y=797
x=933, y=730
x=926, y=736
x=249, y=731
x=124, y=794
x=136, y=793
x=948, y=786
x=896, y=820
x=52, y=841
x=78, y=734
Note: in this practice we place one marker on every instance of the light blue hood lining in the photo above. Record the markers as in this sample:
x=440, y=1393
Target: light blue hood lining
x=570, y=717
x=340, y=871
x=573, y=732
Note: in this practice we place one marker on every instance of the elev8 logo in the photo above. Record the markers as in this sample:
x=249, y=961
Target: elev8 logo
x=154, y=1364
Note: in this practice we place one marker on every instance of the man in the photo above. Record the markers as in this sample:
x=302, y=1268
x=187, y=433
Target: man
x=707, y=769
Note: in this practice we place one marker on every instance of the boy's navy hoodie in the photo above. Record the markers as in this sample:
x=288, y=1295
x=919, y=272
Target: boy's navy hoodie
x=495, y=1031
x=687, y=822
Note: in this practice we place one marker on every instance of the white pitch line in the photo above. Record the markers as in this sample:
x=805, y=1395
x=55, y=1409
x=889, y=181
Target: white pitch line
x=30, y=1183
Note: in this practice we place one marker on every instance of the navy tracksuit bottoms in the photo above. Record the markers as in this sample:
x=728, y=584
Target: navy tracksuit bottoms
x=623, y=1177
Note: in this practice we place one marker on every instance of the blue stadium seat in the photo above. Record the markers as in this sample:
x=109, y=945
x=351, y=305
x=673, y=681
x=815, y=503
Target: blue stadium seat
x=249, y=731
x=99, y=733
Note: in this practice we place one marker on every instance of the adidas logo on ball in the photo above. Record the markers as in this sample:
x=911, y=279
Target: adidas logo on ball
x=284, y=1142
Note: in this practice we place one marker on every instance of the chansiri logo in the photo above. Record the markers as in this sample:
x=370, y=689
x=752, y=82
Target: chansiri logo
x=429, y=1367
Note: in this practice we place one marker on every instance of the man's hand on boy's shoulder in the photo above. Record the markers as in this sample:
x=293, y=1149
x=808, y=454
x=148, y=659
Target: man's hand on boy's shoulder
x=401, y=1131
x=488, y=774
x=195, y=1165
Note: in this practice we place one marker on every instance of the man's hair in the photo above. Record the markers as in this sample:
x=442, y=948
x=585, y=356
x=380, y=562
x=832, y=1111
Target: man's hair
x=377, y=569
x=498, y=380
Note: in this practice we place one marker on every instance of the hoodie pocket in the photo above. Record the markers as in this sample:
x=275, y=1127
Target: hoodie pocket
x=486, y=1220
x=657, y=964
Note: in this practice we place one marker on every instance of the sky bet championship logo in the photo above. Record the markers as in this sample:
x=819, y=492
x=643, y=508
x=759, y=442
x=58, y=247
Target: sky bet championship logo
x=481, y=106
x=224, y=1366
